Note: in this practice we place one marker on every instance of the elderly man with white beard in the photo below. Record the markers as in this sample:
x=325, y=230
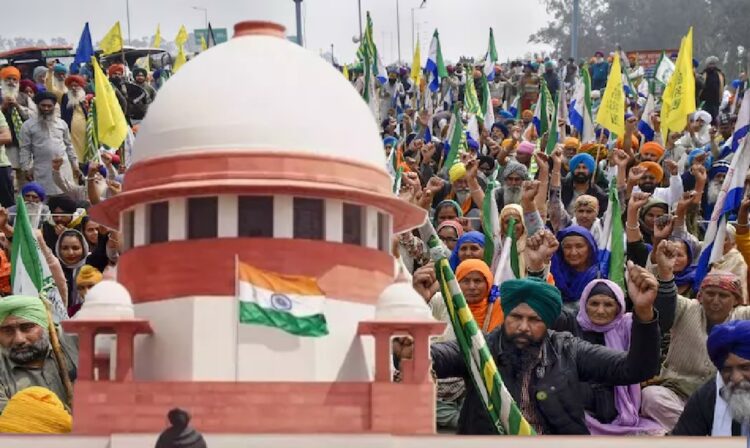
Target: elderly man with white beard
x=16, y=107
x=511, y=190
x=73, y=110
x=43, y=139
x=721, y=407
x=716, y=175
x=55, y=81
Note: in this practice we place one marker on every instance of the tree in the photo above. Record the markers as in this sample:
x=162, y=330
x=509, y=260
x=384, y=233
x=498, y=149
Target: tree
x=719, y=26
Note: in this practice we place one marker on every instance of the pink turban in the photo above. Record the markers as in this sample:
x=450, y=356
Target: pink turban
x=526, y=148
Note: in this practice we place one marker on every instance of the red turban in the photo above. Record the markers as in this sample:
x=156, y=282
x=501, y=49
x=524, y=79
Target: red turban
x=80, y=80
x=27, y=84
x=115, y=69
x=10, y=72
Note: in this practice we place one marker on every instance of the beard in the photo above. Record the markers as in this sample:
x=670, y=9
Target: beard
x=75, y=98
x=713, y=192
x=512, y=195
x=24, y=354
x=9, y=90
x=519, y=359
x=462, y=196
x=581, y=178
x=647, y=187
x=59, y=85
x=738, y=399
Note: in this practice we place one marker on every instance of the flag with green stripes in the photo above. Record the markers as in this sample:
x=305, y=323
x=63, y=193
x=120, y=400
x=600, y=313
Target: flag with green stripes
x=457, y=142
x=16, y=121
x=498, y=402
x=471, y=99
x=490, y=219
x=508, y=266
x=92, y=139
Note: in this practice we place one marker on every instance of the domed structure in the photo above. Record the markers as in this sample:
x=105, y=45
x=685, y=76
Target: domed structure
x=278, y=164
x=244, y=106
x=400, y=302
x=107, y=299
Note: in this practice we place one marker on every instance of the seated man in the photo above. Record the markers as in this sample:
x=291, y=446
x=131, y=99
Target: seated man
x=543, y=369
x=687, y=365
x=27, y=358
x=721, y=407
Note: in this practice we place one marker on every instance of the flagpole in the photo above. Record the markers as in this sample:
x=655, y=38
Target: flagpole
x=237, y=318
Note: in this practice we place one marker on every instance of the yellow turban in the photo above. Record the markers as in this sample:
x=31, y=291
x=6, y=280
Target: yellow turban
x=35, y=410
x=457, y=171
x=88, y=276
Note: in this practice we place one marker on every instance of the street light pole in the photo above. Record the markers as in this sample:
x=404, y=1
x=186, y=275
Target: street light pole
x=574, y=33
x=205, y=16
x=398, y=32
x=127, y=11
x=359, y=8
x=298, y=14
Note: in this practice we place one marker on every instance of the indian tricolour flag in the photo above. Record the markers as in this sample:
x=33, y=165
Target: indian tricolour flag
x=288, y=302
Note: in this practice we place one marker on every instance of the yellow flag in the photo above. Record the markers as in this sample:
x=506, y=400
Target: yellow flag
x=345, y=72
x=204, y=45
x=179, y=61
x=678, y=100
x=110, y=120
x=182, y=37
x=611, y=113
x=416, y=70
x=157, y=37
x=112, y=41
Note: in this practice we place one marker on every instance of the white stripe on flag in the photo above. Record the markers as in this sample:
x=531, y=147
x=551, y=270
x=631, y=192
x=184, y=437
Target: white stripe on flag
x=298, y=305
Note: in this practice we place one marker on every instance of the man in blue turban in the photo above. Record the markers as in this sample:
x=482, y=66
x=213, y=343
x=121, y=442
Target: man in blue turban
x=578, y=182
x=721, y=407
x=542, y=368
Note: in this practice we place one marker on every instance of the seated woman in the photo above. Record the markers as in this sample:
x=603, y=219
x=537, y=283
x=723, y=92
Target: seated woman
x=470, y=245
x=449, y=232
x=601, y=319
x=575, y=263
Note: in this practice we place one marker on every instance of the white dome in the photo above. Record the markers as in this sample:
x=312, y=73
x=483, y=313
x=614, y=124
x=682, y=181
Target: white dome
x=400, y=302
x=260, y=92
x=107, y=299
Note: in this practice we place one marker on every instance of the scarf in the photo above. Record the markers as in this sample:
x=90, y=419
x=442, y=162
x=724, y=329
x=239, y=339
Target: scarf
x=617, y=337
x=479, y=310
x=447, y=202
x=508, y=210
x=687, y=275
x=468, y=237
x=569, y=281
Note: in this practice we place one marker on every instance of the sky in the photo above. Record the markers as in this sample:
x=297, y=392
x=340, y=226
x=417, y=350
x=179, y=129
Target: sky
x=463, y=24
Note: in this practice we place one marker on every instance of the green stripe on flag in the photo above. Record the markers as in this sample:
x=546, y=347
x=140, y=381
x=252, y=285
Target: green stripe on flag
x=513, y=247
x=314, y=325
x=617, y=246
x=489, y=220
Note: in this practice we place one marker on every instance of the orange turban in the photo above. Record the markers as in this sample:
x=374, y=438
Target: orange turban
x=634, y=143
x=116, y=69
x=653, y=168
x=595, y=150
x=10, y=72
x=508, y=144
x=653, y=148
x=572, y=142
x=80, y=80
x=527, y=114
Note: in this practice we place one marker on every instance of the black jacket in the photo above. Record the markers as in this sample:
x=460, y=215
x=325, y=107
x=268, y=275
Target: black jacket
x=566, y=362
x=697, y=418
x=566, y=193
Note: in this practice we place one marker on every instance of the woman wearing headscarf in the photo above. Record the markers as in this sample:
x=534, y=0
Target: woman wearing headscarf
x=601, y=319
x=449, y=232
x=514, y=211
x=575, y=263
x=72, y=249
x=447, y=210
x=470, y=245
x=648, y=216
